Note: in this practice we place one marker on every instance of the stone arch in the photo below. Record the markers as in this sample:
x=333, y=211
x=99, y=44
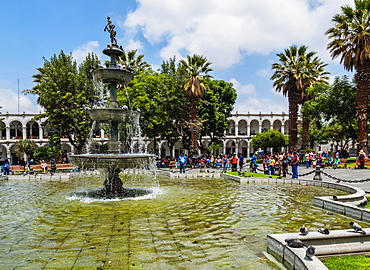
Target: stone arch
x=32, y=130
x=266, y=125
x=231, y=130
x=2, y=130
x=15, y=128
x=254, y=127
x=277, y=125
x=242, y=127
x=286, y=127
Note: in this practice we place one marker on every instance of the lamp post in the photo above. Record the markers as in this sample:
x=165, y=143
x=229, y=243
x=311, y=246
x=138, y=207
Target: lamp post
x=52, y=131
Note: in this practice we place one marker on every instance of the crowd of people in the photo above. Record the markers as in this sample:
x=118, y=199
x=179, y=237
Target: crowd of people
x=265, y=162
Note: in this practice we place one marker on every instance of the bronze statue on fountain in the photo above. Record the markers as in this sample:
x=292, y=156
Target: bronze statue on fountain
x=110, y=164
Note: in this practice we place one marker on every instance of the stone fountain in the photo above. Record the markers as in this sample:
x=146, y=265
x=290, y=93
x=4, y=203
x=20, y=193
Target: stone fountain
x=111, y=164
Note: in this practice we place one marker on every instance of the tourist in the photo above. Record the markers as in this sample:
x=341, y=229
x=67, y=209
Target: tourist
x=284, y=165
x=234, y=163
x=241, y=162
x=44, y=166
x=6, y=167
x=295, y=163
x=307, y=160
x=254, y=164
x=182, y=159
x=225, y=164
x=361, y=159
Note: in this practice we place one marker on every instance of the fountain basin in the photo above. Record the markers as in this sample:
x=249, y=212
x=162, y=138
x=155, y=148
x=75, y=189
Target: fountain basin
x=109, y=75
x=113, y=114
x=87, y=161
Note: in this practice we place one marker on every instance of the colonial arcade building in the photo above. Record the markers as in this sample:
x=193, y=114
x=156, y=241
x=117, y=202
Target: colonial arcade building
x=242, y=128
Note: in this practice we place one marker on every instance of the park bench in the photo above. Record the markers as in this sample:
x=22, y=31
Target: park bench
x=65, y=167
x=17, y=169
x=172, y=164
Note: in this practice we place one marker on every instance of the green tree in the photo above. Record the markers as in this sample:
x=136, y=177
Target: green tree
x=60, y=79
x=215, y=109
x=334, y=107
x=134, y=61
x=25, y=146
x=296, y=70
x=42, y=153
x=271, y=138
x=161, y=102
x=350, y=40
x=197, y=67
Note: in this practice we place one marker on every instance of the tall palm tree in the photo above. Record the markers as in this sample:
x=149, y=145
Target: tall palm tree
x=350, y=40
x=197, y=67
x=318, y=75
x=25, y=146
x=296, y=70
x=130, y=59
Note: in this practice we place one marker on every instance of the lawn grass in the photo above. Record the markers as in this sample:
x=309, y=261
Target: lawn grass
x=250, y=174
x=347, y=262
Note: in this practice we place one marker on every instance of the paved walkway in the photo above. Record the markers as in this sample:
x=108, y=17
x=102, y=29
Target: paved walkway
x=344, y=174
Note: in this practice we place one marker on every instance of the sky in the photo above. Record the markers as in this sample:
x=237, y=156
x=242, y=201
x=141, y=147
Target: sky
x=240, y=37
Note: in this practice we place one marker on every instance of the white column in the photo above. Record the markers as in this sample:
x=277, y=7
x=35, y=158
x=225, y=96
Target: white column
x=7, y=133
x=24, y=132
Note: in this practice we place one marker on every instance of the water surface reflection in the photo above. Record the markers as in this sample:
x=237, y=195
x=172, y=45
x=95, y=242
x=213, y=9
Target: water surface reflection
x=191, y=224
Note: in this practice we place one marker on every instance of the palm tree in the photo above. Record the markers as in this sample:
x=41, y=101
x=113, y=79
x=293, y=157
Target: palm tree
x=130, y=59
x=350, y=39
x=296, y=70
x=197, y=67
x=25, y=146
x=318, y=76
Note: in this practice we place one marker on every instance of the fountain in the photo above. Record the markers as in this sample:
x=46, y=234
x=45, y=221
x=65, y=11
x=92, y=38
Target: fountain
x=110, y=164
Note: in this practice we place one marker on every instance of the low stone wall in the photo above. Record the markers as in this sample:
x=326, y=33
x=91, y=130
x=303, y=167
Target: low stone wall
x=188, y=174
x=336, y=243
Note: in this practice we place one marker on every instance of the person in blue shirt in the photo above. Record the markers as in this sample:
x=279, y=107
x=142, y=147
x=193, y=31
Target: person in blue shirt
x=182, y=159
x=254, y=164
x=241, y=162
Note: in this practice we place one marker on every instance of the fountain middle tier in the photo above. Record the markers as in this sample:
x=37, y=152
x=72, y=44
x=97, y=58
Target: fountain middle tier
x=113, y=114
x=112, y=161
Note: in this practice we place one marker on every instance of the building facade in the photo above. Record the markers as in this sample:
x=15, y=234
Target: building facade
x=242, y=128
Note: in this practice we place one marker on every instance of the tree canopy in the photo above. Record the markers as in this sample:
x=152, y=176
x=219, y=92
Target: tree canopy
x=60, y=79
x=271, y=138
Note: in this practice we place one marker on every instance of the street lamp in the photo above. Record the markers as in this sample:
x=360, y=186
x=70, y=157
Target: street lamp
x=52, y=131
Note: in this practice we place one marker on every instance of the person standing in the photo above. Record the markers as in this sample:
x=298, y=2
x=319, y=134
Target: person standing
x=234, y=163
x=44, y=166
x=295, y=163
x=361, y=159
x=241, y=162
x=182, y=159
x=6, y=167
x=225, y=164
x=284, y=165
x=254, y=164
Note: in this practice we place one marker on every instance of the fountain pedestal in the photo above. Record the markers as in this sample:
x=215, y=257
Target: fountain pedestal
x=111, y=164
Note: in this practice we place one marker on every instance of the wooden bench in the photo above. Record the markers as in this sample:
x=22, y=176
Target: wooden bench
x=172, y=164
x=65, y=166
x=36, y=167
x=17, y=168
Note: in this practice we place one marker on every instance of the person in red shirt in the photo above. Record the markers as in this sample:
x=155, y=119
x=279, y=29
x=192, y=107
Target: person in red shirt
x=234, y=160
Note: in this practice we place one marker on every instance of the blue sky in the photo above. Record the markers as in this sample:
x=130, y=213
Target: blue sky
x=240, y=37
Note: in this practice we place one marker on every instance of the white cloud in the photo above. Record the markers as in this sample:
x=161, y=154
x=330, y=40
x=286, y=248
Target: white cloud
x=82, y=51
x=10, y=103
x=242, y=89
x=255, y=105
x=264, y=73
x=227, y=31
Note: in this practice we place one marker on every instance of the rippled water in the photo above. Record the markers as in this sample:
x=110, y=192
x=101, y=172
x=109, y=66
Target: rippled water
x=190, y=224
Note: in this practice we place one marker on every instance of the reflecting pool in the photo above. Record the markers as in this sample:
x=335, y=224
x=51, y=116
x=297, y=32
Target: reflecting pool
x=203, y=223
